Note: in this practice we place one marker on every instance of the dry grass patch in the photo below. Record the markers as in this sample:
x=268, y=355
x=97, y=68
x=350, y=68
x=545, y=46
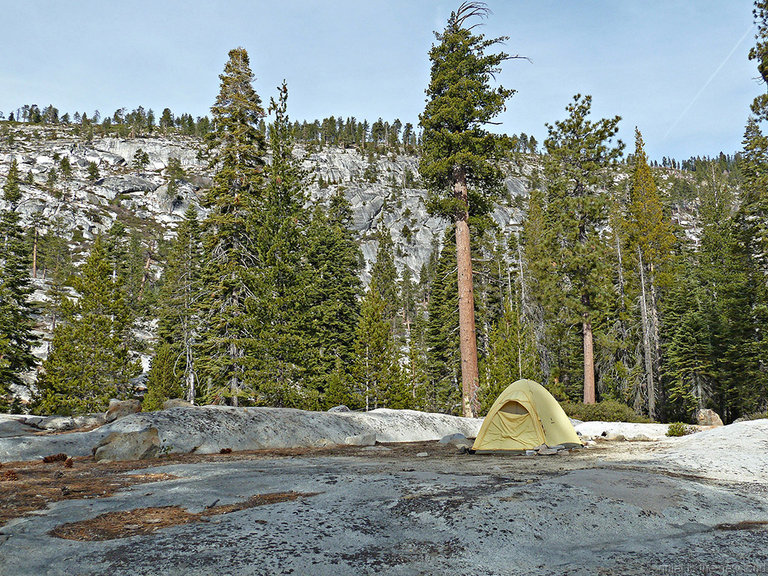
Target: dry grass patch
x=142, y=521
x=30, y=486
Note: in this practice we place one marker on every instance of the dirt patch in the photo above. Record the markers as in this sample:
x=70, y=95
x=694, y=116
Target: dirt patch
x=142, y=521
x=745, y=525
x=31, y=486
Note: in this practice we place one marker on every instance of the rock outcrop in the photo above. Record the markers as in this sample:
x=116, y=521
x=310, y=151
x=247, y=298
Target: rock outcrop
x=209, y=429
x=121, y=409
x=707, y=417
x=128, y=446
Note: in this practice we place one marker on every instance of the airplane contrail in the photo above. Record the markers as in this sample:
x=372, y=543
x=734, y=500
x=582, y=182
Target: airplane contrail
x=708, y=82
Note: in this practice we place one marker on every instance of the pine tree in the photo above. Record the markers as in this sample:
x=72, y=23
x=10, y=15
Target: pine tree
x=140, y=160
x=650, y=241
x=89, y=362
x=16, y=312
x=332, y=302
x=512, y=356
x=174, y=172
x=442, y=392
x=163, y=380
x=384, y=275
x=687, y=348
x=173, y=368
x=752, y=232
x=278, y=231
x=725, y=272
x=579, y=154
x=93, y=171
x=458, y=162
x=377, y=367
x=66, y=167
x=237, y=148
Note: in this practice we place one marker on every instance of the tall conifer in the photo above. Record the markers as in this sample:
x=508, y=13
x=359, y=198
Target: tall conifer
x=16, y=312
x=332, y=300
x=89, y=362
x=459, y=157
x=650, y=241
x=580, y=154
x=237, y=150
x=174, y=370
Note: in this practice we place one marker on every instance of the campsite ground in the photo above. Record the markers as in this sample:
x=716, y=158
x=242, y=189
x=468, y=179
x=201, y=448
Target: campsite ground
x=615, y=508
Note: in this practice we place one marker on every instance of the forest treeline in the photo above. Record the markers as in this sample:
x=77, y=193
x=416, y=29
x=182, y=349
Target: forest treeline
x=378, y=137
x=608, y=287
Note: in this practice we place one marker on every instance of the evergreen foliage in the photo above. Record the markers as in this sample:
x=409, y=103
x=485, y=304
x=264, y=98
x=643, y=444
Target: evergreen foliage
x=237, y=149
x=460, y=159
x=511, y=356
x=384, y=275
x=570, y=257
x=140, y=159
x=278, y=231
x=16, y=313
x=93, y=171
x=173, y=368
x=377, y=368
x=89, y=361
x=442, y=391
x=332, y=300
x=460, y=103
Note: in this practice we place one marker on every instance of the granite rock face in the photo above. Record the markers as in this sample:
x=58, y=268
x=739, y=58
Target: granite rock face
x=383, y=190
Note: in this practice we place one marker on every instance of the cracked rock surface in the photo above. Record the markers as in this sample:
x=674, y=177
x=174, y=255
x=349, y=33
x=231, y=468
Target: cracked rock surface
x=618, y=508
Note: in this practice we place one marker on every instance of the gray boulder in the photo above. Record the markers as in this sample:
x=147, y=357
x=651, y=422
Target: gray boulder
x=121, y=408
x=58, y=424
x=340, y=408
x=128, y=446
x=176, y=403
x=10, y=427
x=89, y=420
x=707, y=417
x=457, y=439
x=361, y=440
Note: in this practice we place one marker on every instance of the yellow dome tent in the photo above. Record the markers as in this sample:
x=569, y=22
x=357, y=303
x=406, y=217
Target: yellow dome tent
x=524, y=417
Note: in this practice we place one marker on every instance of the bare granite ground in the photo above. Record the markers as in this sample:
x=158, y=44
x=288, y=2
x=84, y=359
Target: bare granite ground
x=388, y=510
x=695, y=505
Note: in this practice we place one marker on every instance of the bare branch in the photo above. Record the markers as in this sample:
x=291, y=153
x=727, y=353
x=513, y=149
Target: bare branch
x=469, y=10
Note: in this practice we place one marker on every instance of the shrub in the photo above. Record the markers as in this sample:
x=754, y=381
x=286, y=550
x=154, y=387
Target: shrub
x=606, y=411
x=680, y=429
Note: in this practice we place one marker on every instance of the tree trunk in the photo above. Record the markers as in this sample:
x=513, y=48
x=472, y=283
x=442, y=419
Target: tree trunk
x=144, y=276
x=654, y=317
x=589, y=361
x=34, y=256
x=467, y=337
x=647, y=350
x=234, y=382
x=190, y=377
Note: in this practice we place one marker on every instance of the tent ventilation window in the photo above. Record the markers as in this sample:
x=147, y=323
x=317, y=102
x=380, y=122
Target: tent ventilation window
x=513, y=408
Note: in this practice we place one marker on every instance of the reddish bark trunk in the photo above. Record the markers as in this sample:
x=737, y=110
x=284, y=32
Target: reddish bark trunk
x=467, y=337
x=589, y=362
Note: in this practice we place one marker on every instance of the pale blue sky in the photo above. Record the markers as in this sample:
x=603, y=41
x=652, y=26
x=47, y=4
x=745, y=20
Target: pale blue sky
x=676, y=69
